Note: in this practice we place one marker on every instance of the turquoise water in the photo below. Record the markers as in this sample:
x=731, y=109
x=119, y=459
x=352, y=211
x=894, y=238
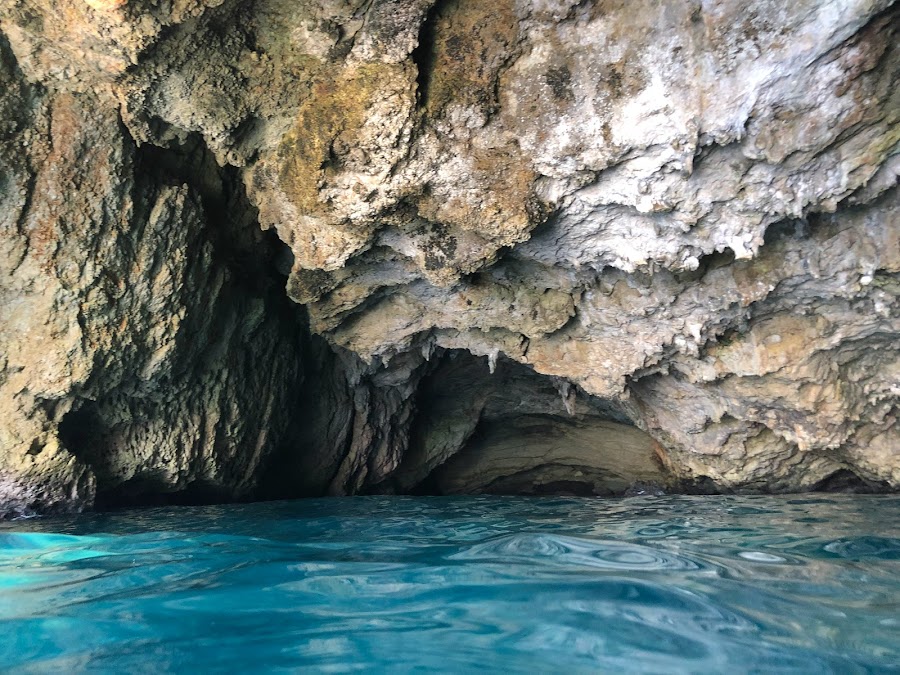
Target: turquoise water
x=796, y=584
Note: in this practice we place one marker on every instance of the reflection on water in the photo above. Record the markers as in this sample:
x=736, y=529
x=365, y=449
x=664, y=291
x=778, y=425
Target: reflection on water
x=796, y=584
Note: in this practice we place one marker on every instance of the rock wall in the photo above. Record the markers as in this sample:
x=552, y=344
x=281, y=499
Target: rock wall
x=136, y=309
x=672, y=228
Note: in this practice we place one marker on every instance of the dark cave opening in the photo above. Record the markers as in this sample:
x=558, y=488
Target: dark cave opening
x=847, y=482
x=78, y=431
x=515, y=431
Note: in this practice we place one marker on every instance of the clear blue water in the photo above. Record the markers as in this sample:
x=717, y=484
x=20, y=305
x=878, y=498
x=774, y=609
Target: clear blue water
x=802, y=584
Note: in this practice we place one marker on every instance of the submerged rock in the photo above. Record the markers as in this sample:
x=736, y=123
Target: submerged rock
x=672, y=231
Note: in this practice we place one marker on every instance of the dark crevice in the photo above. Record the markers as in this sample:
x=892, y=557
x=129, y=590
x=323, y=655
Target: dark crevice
x=150, y=490
x=307, y=467
x=707, y=264
x=249, y=252
x=785, y=230
x=423, y=56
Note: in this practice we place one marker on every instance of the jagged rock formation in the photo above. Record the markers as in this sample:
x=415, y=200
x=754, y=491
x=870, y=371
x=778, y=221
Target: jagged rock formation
x=671, y=228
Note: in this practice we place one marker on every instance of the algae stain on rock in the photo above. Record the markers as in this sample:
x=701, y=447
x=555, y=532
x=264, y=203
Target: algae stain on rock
x=334, y=113
x=472, y=43
x=473, y=40
x=334, y=163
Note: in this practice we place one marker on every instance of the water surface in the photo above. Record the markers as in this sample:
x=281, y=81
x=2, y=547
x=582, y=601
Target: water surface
x=796, y=584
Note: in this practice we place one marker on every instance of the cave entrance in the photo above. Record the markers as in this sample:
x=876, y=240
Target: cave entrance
x=518, y=432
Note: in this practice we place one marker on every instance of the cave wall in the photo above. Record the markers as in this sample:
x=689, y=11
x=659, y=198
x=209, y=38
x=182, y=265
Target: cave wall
x=137, y=309
x=684, y=212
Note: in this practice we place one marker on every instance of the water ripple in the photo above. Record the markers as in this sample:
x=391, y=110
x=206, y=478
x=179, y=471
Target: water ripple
x=573, y=552
x=661, y=585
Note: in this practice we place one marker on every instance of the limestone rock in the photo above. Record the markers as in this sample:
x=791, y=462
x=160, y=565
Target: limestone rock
x=686, y=214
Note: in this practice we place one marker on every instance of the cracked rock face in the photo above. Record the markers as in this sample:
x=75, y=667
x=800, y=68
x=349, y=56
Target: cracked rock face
x=671, y=229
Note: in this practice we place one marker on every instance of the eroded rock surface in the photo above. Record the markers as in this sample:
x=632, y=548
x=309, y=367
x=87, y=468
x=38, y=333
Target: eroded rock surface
x=678, y=216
